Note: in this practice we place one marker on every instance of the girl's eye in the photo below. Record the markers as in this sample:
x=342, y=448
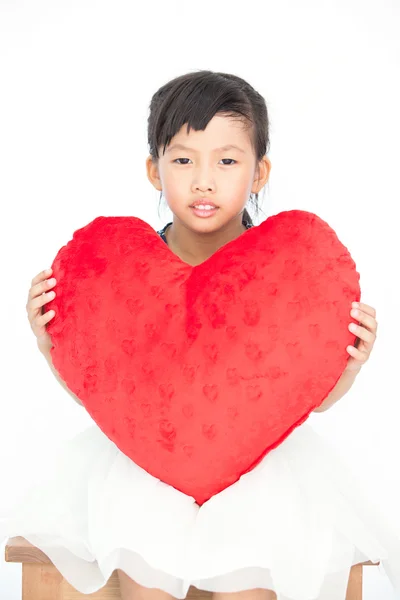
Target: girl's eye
x=231, y=159
x=180, y=159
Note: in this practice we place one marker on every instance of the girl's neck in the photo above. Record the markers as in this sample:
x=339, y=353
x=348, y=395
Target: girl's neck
x=194, y=248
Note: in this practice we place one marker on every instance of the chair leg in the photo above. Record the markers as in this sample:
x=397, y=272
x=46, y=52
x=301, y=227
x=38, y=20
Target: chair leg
x=41, y=582
x=354, y=588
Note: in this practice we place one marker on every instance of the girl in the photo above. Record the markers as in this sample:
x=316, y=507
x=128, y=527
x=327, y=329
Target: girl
x=293, y=526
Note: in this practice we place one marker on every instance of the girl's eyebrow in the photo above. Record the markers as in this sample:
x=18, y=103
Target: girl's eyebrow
x=183, y=147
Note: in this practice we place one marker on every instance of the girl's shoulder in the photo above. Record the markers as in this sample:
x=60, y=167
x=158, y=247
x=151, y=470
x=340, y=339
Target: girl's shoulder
x=161, y=232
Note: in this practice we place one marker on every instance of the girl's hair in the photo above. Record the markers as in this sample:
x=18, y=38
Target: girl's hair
x=194, y=98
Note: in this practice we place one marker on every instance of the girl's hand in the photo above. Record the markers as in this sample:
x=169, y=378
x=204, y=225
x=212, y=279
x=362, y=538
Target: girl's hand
x=38, y=296
x=366, y=332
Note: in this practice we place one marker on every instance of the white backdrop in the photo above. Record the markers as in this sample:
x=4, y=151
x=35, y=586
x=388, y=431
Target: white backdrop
x=76, y=79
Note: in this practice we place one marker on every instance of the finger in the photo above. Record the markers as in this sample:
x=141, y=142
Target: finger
x=35, y=306
x=358, y=355
x=41, y=276
x=367, y=320
x=363, y=333
x=370, y=310
x=44, y=319
x=40, y=301
x=40, y=288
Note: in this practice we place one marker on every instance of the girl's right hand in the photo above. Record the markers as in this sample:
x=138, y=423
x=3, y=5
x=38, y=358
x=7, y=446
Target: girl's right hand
x=38, y=296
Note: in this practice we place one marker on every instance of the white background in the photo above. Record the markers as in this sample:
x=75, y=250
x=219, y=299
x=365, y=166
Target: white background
x=76, y=80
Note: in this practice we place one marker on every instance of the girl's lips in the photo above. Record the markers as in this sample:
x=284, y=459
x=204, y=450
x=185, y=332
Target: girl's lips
x=202, y=212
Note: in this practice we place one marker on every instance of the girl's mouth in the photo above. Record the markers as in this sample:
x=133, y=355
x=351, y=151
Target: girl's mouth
x=204, y=210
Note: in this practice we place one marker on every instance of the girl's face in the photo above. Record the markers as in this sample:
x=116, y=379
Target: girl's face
x=197, y=166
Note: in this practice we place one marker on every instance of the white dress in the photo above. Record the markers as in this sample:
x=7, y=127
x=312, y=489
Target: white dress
x=295, y=524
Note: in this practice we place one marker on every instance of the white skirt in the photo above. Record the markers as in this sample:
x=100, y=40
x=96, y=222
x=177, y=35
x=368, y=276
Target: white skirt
x=295, y=524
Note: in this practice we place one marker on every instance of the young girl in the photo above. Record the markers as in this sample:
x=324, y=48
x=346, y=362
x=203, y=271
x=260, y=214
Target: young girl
x=293, y=526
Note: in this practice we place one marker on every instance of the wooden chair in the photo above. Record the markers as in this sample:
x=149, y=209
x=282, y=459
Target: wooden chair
x=42, y=581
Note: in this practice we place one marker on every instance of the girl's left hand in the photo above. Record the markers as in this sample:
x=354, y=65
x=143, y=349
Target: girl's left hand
x=366, y=333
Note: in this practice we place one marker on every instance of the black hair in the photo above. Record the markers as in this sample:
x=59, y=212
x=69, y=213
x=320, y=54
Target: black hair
x=194, y=98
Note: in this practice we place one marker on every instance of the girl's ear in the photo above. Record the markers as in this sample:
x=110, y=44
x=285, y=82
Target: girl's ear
x=152, y=173
x=262, y=175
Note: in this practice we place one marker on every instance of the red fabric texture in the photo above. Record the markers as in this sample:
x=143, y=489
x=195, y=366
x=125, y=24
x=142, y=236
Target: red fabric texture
x=196, y=373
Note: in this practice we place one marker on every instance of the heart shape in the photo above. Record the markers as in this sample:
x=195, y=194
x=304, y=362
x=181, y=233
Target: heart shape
x=196, y=373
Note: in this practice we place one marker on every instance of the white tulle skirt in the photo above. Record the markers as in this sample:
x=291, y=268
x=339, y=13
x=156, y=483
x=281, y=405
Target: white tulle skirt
x=295, y=524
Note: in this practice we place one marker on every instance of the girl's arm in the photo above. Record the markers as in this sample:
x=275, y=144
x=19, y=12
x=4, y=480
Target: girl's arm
x=46, y=353
x=341, y=388
x=366, y=333
x=38, y=296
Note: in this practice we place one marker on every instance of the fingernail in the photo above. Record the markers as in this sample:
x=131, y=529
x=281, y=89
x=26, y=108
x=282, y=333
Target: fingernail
x=355, y=305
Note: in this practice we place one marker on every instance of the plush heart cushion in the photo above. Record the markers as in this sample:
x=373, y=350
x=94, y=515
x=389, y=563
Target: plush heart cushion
x=196, y=373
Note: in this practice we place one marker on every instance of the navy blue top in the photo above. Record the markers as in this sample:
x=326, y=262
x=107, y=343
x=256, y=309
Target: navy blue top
x=162, y=231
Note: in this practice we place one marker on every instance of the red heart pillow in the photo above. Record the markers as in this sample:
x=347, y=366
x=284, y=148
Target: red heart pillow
x=196, y=373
